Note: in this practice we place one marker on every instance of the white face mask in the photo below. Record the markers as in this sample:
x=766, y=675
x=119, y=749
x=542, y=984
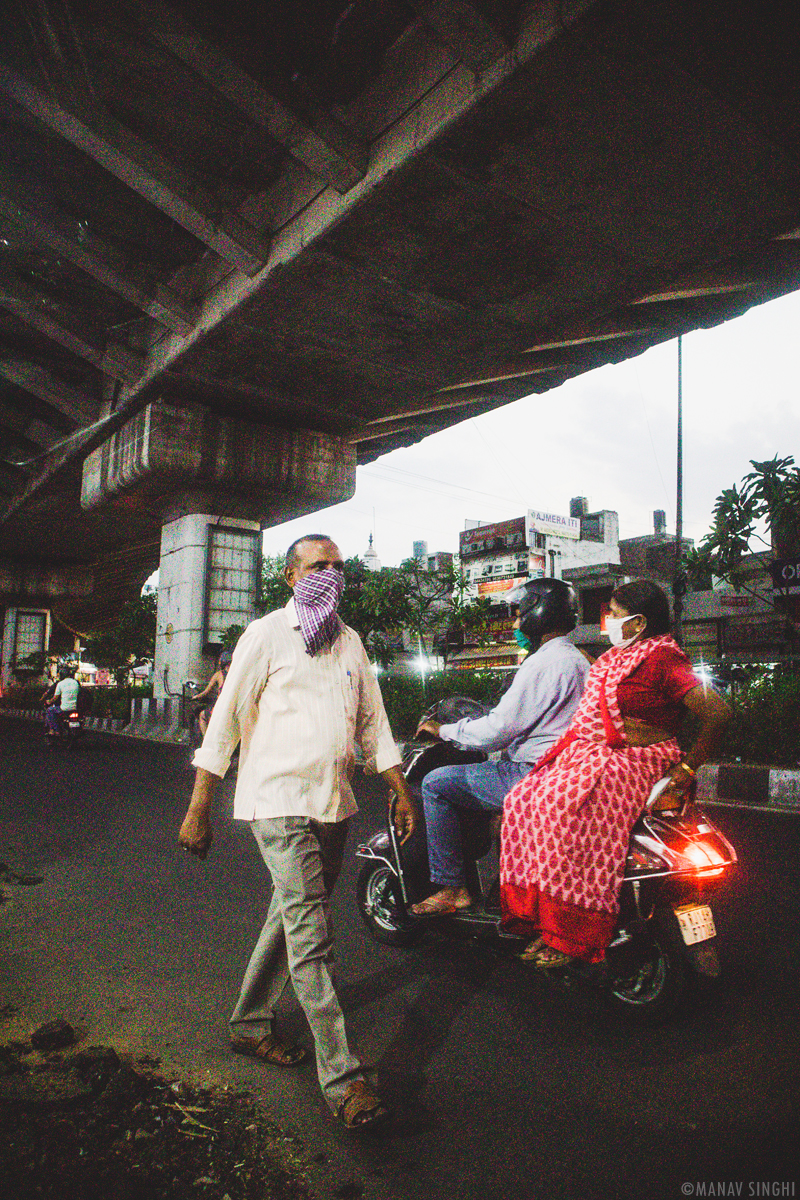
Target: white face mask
x=614, y=630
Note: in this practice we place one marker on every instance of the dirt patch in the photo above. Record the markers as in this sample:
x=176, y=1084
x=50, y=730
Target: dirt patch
x=91, y=1124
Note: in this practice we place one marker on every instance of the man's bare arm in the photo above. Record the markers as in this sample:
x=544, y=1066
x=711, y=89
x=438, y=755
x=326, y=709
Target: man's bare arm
x=196, y=833
x=405, y=818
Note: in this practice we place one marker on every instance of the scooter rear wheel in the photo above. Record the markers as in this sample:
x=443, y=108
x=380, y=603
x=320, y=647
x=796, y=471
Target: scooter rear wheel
x=377, y=894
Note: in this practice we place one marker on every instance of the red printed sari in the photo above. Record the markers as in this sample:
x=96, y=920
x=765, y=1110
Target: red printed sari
x=567, y=824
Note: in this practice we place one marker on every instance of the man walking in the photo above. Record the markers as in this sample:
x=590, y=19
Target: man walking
x=299, y=694
x=531, y=716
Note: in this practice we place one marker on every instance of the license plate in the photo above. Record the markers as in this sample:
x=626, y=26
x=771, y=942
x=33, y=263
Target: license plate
x=696, y=922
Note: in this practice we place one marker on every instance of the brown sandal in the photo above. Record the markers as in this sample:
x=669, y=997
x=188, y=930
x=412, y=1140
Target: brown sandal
x=548, y=959
x=268, y=1050
x=531, y=950
x=360, y=1108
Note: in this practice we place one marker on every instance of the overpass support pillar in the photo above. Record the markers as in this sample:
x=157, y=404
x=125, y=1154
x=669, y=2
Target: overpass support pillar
x=26, y=636
x=208, y=581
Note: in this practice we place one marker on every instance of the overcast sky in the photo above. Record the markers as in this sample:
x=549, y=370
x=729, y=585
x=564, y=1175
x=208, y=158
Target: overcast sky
x=609, y=435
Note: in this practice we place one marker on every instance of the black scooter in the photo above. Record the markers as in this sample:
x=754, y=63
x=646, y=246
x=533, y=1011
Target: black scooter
x=665, y=937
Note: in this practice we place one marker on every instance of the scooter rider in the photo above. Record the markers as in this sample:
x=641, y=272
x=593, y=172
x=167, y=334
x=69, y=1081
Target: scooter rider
x=64, y=700
x=530, y=717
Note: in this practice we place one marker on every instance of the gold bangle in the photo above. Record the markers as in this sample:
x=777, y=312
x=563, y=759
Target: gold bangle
x=686, y=767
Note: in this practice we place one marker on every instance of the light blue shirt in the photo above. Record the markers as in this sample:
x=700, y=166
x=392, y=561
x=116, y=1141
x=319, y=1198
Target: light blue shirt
x=535, y=711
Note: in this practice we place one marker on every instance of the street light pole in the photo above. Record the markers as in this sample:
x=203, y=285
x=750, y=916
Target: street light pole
x=678, y=585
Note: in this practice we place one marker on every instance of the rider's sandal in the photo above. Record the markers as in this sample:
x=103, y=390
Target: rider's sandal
x=269, y=1050
x=547, y=959
x=424, y=908
x=531, y=950
x=360, y=1108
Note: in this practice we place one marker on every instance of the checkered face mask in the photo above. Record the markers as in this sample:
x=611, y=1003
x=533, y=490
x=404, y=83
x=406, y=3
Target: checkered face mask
x=316, y=599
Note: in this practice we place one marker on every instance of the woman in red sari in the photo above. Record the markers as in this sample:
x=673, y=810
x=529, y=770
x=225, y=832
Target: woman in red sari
x=567, y=824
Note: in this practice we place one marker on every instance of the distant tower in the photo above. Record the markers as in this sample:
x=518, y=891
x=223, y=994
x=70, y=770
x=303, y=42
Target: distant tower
x=421, y=551
x=370, y=558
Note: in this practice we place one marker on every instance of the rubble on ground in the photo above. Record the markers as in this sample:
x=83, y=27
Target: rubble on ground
x=77, y=1126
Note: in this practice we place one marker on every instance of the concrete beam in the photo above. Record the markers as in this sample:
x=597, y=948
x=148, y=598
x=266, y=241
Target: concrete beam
x=711, y=281
x=87, y=251
x=384, y=425
x=38, y=433
x=30, y=306
x=408, y=120
x=316, y=139
x=25, y=583
x=462, y=27
x=178, y=455
x=146, y=171
x=39, y=382
x=498, y=374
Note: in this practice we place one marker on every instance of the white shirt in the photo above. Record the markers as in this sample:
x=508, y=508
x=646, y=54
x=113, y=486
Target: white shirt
x=299, y=717
x=67, y=691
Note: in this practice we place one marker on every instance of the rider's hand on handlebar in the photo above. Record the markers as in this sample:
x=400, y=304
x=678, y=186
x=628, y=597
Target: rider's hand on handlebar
x=428, y=726
x=673, y=796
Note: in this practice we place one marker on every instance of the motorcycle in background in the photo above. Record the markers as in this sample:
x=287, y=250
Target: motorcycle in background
x=665, y=936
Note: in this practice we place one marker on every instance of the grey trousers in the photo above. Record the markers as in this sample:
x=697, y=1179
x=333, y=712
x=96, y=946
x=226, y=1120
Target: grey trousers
x=304, y=858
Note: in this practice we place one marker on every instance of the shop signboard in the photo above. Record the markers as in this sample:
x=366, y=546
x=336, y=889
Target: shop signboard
x=489, y=587
x=747, y=635
x=726, y=600
x=785, y=574
x=492, y=539
x=553, y=524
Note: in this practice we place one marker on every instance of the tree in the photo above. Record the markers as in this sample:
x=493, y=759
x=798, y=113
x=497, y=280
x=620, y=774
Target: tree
x=132, y=641
x=379, y=605
x=768, y=498
x=274, y=591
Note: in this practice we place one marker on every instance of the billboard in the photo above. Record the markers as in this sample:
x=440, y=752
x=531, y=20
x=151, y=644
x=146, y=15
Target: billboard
x=488, y=587
x=492, y=539
x=785, y=574
x=539, y=521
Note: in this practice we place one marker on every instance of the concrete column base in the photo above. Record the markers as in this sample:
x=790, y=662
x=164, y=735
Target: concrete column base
x=185, y=574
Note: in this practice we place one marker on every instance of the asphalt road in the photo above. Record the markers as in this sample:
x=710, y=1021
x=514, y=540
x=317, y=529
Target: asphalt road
x=504, y=1084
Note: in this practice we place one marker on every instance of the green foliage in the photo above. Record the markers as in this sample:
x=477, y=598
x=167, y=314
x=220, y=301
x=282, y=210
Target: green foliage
x=769, y=494
x=765, y=727
x=376, y=605
x=231, y=636
x=275, y=591
x=379, y=605
x=374, y=602
x=131, y=643
x=405, y=698
x=23, y=695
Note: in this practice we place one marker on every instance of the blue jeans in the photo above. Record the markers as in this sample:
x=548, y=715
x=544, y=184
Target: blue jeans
x=479, y=786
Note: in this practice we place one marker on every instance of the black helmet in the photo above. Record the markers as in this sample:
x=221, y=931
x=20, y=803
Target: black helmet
x=545, y=606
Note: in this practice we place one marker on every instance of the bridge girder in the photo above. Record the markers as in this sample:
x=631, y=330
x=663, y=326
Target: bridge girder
x=367, y=226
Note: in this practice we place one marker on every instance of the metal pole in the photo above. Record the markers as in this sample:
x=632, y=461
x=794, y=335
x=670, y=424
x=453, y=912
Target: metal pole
x=678, y=586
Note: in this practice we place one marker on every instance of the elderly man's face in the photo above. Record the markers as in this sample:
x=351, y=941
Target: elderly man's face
x=314, y=556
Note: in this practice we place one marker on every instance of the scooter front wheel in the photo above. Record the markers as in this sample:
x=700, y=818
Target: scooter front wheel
x=377, y=894
x=650, y=989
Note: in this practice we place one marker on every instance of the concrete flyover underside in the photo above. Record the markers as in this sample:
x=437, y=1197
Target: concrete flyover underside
x=358, y=222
